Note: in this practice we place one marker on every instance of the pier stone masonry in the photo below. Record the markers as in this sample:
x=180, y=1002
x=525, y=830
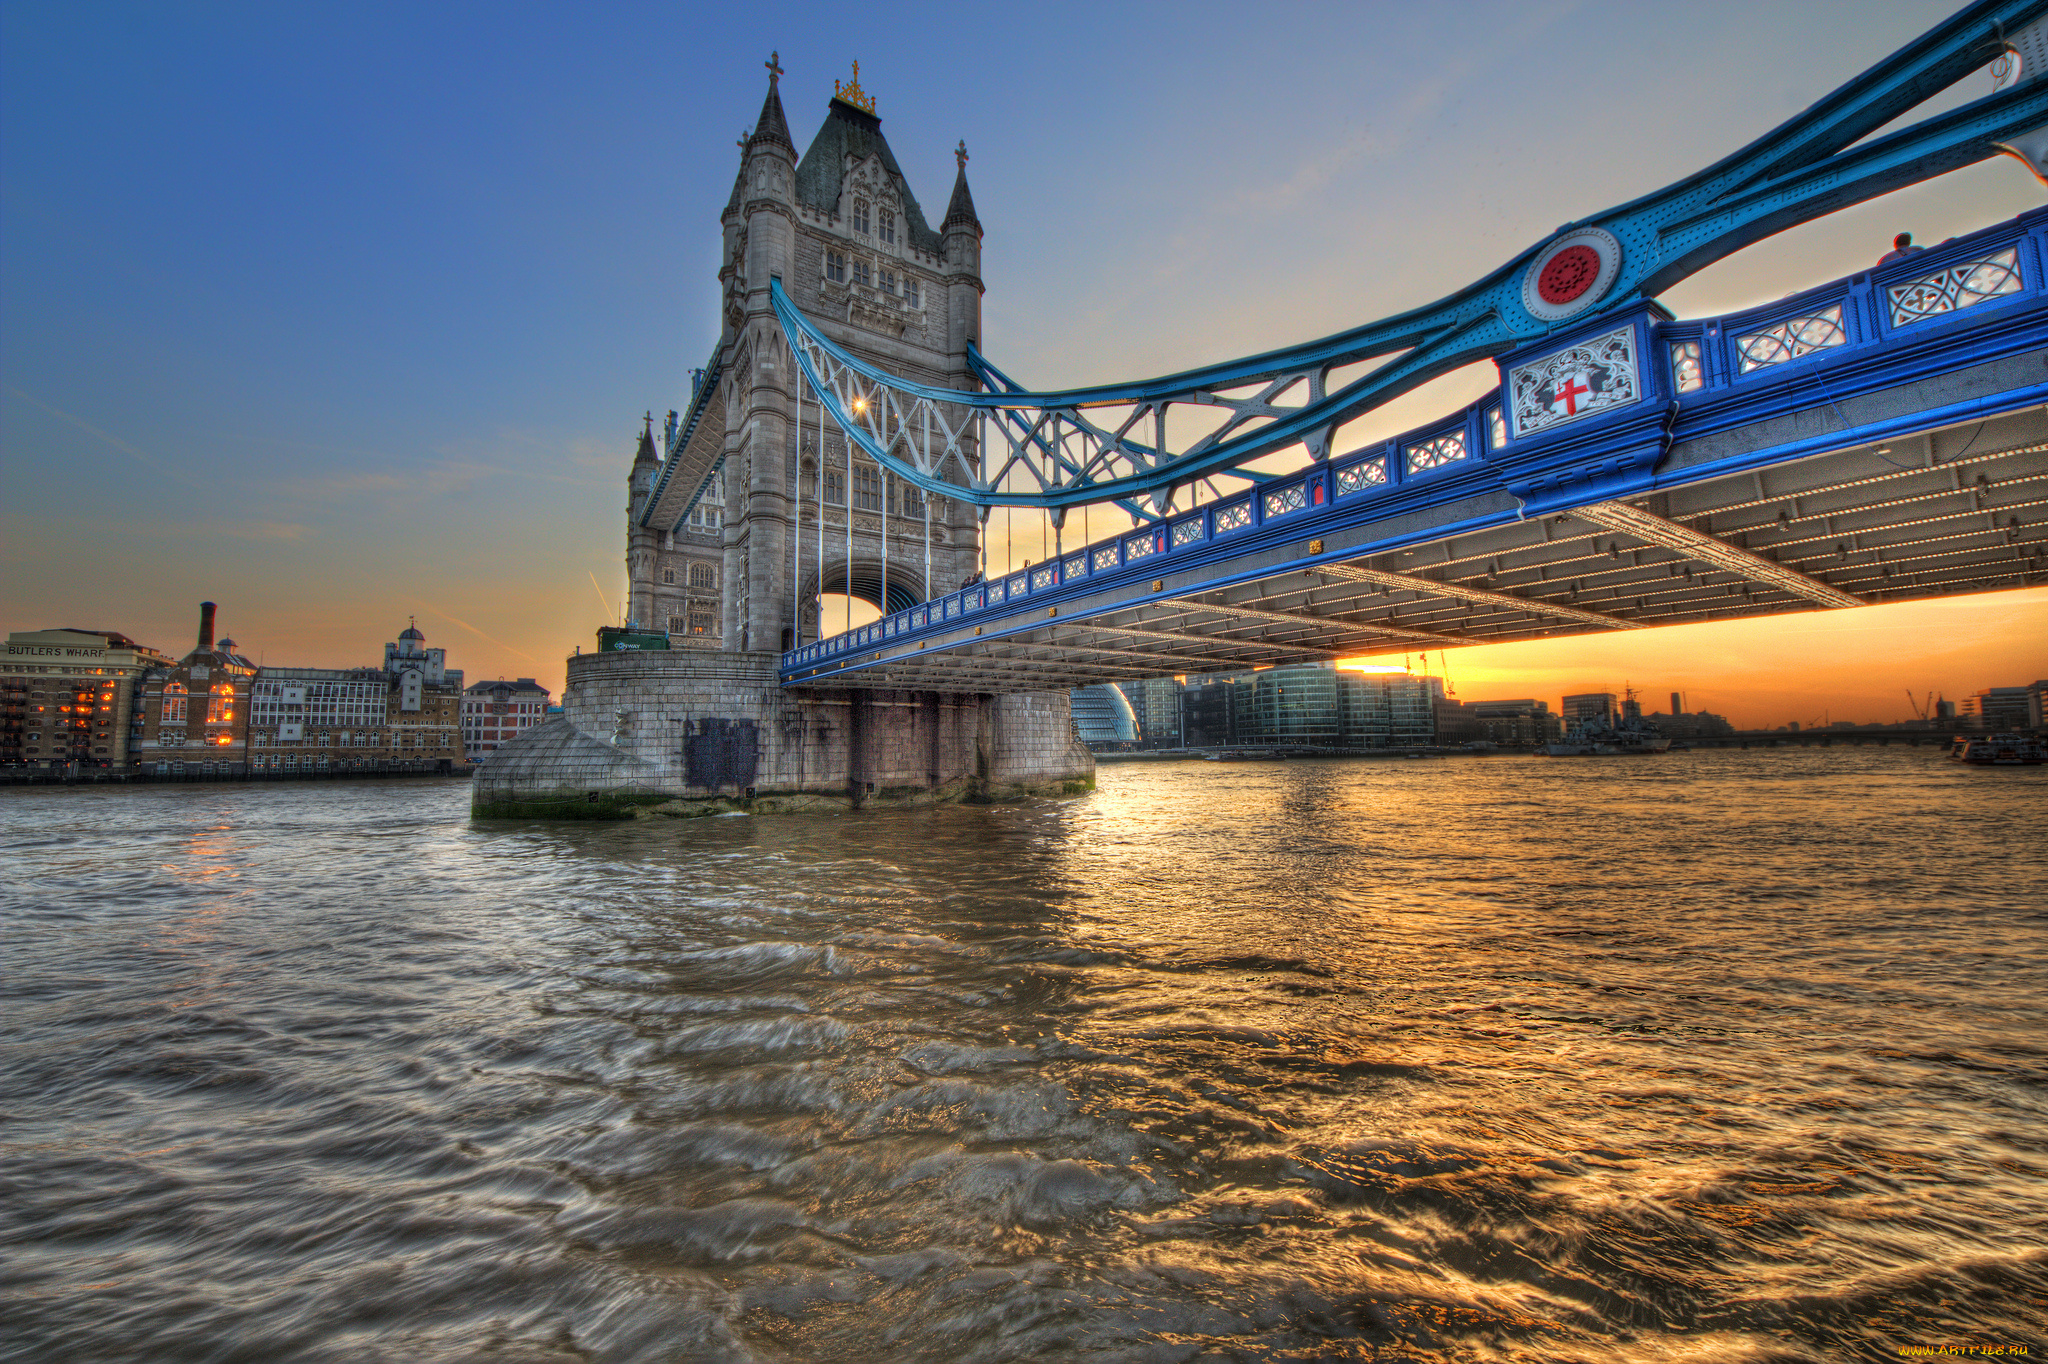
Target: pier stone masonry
x=688, y=732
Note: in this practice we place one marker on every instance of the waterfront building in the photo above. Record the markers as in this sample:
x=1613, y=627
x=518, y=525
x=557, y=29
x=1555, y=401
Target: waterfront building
x=1312, y=705
x=193, y=716
x=402, y=717
x=1395, y=710
x=67, y=696
x=2002, y=708
x=1209, y=709
x=1103, y=717
x=305, y=721
x=1692, y=725
x=1156, y=703
x=497, y=712
x=1518, y=722
x=1603, y=705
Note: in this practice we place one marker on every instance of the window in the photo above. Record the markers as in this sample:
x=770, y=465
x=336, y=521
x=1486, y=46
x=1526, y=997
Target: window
x=888, y=281
x=710, y=509
x=703, y=578
x=835, y=266
x=867, y=489
x=888, y=226
x=861, y=273
x=913, y=500
x=701, y=620
x=835, y=487
x=910, y=292
x=174, y=702
x=668, y=577
x=676, y=625
x=860, y=219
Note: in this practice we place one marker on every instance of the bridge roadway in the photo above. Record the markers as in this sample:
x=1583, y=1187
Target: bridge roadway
x=1878, y=438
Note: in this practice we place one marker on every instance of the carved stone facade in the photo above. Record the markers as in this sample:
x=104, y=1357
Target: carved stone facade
x=842, y=230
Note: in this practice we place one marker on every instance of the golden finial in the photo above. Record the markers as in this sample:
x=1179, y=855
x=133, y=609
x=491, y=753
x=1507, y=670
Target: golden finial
x=851, y=93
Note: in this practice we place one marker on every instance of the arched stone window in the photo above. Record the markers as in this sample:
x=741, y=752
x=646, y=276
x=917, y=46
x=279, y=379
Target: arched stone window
x=703, y=578
x=174, y=703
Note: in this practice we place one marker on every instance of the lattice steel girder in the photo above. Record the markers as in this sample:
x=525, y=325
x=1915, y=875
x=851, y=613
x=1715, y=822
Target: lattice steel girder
x=1478, y=595
x=1270, y=645
x=1310, y=618
x=1810, y=166
x=1654, y=529
x=1148, y=655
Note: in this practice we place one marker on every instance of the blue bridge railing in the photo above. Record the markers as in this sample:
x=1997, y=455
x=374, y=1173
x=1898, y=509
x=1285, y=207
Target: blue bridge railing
x=1717, y=372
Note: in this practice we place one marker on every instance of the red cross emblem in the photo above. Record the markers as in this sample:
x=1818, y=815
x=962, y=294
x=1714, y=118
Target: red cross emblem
x=1569, y=391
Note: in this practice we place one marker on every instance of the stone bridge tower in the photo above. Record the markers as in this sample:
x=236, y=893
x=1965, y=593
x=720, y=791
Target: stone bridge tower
x=841, y=228
x=723, y=547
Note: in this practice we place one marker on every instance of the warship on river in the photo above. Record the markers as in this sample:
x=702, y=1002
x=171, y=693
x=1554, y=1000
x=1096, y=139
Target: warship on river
x=1603, y=734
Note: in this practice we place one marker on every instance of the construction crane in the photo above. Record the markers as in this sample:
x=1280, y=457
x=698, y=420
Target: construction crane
x=1920, y=708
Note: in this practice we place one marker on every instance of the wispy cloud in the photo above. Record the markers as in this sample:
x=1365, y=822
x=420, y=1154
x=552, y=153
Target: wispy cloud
x=431, y=609
x=141, y=456
x=287, y=532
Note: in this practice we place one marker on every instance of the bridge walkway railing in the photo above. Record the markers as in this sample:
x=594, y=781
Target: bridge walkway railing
x=1712, y=374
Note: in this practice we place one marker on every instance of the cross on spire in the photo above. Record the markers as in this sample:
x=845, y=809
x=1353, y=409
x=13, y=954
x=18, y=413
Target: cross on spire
x=774, y=65
x=960, y=154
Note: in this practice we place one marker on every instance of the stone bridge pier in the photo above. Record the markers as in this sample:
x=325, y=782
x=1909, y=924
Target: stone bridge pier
x=696, y=732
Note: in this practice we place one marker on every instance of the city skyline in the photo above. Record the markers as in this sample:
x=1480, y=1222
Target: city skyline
x=381, y=352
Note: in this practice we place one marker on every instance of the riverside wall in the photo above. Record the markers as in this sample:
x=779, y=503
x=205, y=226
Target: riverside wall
x=684, y=732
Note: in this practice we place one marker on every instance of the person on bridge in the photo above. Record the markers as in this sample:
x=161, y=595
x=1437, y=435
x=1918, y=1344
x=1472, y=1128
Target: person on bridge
x=1902, y=247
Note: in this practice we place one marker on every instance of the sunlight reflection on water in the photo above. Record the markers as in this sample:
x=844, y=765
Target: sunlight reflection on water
x=1716, y=1055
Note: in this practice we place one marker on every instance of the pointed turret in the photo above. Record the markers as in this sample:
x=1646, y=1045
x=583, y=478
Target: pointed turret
x=960, y=208
x=771, y=126
x=646, y=453
x=961, y=234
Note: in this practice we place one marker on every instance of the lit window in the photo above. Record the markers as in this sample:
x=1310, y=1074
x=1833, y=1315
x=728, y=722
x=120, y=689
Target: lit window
x=174, y=702
x=700, y=620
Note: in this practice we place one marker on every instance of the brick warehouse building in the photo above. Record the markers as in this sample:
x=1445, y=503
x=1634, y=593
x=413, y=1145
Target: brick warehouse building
x=67, y=697
x=498, y=712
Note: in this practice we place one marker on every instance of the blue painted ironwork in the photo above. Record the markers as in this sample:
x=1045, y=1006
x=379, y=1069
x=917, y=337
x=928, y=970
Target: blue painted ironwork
x=676, y=434
x=1612, y=454
x=1073, y=447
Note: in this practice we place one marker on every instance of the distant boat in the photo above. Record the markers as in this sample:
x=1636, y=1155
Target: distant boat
x=1596, y=734
x=1997, y=750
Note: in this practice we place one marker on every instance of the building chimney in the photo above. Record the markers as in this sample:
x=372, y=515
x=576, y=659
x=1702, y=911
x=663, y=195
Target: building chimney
x=1674, y=705
x=205, y=626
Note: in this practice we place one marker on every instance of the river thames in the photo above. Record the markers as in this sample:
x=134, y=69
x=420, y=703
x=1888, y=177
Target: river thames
x=1714, y=1056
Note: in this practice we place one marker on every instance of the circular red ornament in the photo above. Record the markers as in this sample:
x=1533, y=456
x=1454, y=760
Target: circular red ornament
x=1567, y=275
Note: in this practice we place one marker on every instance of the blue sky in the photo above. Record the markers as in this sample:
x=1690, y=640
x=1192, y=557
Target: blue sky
x=340, y=314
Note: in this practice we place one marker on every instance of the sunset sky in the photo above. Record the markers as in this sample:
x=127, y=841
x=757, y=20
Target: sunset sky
x=338, y=315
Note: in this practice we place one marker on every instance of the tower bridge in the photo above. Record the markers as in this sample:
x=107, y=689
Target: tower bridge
x=1871, y=439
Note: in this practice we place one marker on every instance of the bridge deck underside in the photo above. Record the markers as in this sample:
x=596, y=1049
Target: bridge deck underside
x=1960, y=509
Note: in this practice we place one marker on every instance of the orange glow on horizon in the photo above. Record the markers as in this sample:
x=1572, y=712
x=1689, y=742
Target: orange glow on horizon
x=1856, y=664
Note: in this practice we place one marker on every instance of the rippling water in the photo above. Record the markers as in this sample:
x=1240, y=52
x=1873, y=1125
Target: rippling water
x=1716, y=1056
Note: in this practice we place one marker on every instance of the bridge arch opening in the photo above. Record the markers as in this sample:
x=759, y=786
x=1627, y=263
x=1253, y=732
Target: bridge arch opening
x=837, y=600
